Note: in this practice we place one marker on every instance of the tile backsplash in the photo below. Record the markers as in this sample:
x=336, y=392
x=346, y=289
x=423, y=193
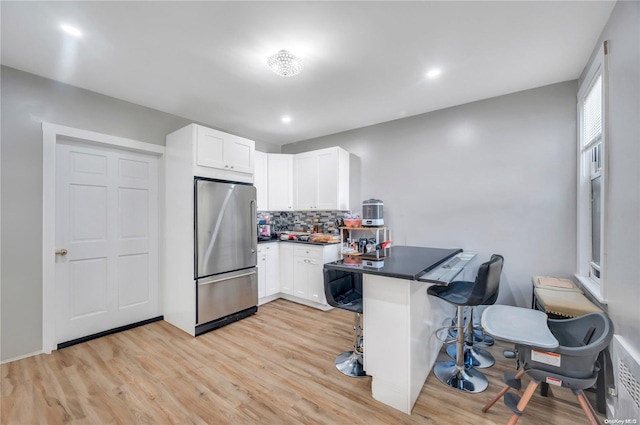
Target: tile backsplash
x=289, y=220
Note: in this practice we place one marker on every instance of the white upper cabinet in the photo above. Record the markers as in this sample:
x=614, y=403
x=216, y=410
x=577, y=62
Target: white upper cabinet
x=261, y=181
x=280, y=182
x=321, y=180
x=221, y=155
x=210, y=148
x=328, y=183
x=304, y=182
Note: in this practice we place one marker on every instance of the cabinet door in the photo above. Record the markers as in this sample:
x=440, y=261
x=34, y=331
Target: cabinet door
x=286, y=268
x=304, y=185
x=315, y=281
x=261, y=181
x=300, y=279
x=210, y=148
x=262, y=275
x=272, y=270
x=239, y=154
x=327, y=180
x=280, y=182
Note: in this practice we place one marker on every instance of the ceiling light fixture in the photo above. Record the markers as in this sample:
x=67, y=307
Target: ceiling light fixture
x=286, y=119
x=433, y=73
x=71, y=30
x=285, y=64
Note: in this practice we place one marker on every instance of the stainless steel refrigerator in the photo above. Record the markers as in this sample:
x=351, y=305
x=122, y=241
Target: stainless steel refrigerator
x=225, y=252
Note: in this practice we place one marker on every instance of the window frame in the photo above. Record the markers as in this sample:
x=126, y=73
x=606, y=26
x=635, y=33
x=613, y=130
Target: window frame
x=584, y=266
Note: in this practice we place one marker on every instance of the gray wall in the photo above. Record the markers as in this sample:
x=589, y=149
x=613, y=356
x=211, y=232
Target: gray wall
x=494, y=176
x=622, y=246
x=27, y=100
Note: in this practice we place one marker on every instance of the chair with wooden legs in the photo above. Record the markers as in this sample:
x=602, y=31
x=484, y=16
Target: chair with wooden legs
x=572, y=363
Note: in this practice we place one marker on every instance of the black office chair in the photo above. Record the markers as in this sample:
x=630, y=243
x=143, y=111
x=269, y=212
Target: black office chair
x=573, y=364
x=344, y=290
x=458, y=375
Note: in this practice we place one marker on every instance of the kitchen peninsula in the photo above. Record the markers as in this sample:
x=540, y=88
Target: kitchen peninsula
x=400, y=319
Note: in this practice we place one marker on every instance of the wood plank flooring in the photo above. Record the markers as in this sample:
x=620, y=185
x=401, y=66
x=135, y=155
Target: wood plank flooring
x=275, y=367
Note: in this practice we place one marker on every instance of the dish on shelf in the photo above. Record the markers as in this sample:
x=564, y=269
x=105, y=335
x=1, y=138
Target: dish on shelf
x=353, y=222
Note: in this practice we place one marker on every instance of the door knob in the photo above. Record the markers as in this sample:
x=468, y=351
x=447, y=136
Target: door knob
x=62, y=251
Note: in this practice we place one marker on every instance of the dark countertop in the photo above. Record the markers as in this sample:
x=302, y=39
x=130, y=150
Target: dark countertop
x=402, y=262
x=296, y=241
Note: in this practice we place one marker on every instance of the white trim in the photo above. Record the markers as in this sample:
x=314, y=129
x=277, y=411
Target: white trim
x=24, y=356
x=598, y=67
x=50, y=134
x=595, y=68
x=591, y=286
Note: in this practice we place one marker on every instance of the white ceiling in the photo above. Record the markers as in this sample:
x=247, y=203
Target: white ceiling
x=365, y=62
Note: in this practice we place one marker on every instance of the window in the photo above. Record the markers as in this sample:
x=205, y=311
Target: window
x=592, y=177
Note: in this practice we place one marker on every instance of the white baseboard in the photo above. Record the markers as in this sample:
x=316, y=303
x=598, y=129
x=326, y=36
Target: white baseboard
x=264, y=300
x=24, y=356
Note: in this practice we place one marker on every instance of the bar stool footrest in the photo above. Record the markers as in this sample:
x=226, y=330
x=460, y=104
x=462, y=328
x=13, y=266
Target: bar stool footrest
x=510, y=380
x=447, y=338
x=511, y=400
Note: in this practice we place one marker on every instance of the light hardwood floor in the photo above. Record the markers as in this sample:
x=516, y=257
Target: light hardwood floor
x=275, y=367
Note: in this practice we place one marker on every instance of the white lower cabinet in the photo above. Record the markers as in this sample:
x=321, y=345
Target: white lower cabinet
x=268, y=269
x=300, y=274
x=262, y=274
x=307, y=273
x=308, y=262
x=300, y=271
x=286, y=268
x=273, y=270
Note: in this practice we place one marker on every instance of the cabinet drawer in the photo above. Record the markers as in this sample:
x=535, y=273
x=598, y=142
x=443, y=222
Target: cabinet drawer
x=226, y=294
x=265, y=247
x=308, y=251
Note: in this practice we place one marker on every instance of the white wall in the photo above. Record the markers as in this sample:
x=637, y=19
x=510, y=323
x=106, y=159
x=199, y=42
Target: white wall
x=622, y=246
x=27, y=100
x=494, y=176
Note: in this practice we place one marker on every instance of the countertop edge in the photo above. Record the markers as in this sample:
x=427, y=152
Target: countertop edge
x=298, y=242
x=397, y=275
x=373, y=271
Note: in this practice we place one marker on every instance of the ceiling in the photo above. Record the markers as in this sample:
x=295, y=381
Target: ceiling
x=365, y=62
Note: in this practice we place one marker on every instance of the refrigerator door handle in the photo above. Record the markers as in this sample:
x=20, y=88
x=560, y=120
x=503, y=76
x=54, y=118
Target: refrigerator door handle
x=254, y=216
x=226, y=278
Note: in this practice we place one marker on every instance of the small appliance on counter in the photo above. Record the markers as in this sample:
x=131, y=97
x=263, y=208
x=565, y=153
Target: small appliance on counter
x=372, y=212
x=264, y=230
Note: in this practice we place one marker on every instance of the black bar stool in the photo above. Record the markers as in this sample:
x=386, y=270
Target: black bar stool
x=459, y=375
x=473, y=355
x=344, y=290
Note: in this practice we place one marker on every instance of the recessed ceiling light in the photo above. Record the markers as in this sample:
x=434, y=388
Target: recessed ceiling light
x=433, y=73
x=71, y=30
x=286, y=119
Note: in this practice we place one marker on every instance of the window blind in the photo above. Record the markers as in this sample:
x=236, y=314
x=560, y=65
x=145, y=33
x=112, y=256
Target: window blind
x=592, y=113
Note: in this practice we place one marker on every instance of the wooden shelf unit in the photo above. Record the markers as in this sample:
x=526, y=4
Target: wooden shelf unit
x=379, y=231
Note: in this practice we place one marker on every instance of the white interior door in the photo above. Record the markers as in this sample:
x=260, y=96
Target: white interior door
x=107, y=223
